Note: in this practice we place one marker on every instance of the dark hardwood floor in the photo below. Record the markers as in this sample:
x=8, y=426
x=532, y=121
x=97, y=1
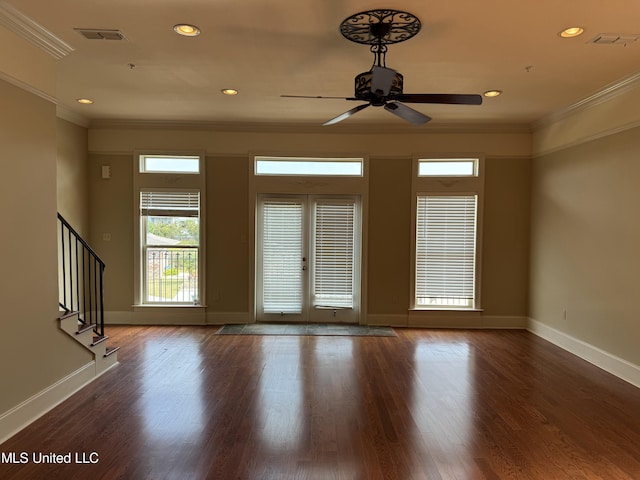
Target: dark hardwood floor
x=185, y=403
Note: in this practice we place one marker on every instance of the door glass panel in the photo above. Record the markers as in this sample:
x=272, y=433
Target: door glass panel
x=282, y=257
x=333, y=266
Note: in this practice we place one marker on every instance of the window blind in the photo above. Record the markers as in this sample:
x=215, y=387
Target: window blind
x=282, y=257
x=334, y=254
x=169, y=204
x=446, y=250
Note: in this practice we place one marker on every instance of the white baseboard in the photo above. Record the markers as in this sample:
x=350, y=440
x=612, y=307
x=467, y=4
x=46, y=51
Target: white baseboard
x=223, y=318
x=504, y=321
x=386, y=320
x=14, y=420
x=464, y=319
x=619, y=367
x=175, y=316
x=157, y=316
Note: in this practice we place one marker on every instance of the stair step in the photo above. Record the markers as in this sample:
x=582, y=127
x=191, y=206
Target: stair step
x=83, y=328
x=68, y=314
x=111, y=350
x=98, y=339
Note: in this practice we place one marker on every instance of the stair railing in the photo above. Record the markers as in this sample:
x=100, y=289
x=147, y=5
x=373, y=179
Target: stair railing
x=81, y=276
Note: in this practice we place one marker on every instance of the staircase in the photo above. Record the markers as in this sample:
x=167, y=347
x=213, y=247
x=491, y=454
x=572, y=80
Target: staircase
x=81, y=274
x=105, y=357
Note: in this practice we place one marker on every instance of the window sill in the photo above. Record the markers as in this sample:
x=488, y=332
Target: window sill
x=148, y=306
x=444, y=310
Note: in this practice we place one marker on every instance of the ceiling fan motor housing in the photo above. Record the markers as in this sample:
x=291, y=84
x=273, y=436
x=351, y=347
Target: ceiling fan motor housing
x=363, y=89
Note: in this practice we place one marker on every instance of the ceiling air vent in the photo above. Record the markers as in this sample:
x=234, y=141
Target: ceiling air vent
x=614, y=39
x=96, y=34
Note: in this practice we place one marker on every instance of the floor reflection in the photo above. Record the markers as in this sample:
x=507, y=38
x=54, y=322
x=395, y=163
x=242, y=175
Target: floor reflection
x=279, y=403
x=442, y=401
x=171, y=403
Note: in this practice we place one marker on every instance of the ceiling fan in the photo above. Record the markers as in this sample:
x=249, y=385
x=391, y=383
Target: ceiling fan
x=382, y=86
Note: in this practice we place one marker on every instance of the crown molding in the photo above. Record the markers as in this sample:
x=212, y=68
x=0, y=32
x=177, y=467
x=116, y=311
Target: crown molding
x=25, y=86
x=310, y=128
x=65, y=114
x=609, y=92
x=33, y=32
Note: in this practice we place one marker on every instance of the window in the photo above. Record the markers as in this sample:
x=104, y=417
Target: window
x=449, y=167
x=447, y=205
x=169, y=198
x=445, y=251
x=309, y=166
x=170, y=227
x=169, y=164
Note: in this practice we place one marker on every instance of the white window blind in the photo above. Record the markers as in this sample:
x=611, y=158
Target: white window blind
x=446, y=251
x=282, y=257
x=334, y=254
x=169, y=203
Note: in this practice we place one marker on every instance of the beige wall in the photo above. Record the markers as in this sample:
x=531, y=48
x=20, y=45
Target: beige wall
x=37, y=74
x=34, y=353
x=506, y=236
x=585, y=237
x=505, y=272
x=72, y=165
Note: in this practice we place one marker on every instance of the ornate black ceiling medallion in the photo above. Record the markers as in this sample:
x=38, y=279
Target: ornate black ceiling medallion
x=380, y=27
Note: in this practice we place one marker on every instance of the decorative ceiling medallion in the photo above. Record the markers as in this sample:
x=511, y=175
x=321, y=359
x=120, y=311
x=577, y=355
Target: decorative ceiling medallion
x=380, y=27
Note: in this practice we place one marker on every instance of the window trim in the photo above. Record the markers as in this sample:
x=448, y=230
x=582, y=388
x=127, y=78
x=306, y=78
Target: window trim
x=447, y=185
x=167, y=181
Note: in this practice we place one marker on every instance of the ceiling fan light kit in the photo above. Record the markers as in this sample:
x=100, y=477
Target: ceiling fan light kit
x=382, y=86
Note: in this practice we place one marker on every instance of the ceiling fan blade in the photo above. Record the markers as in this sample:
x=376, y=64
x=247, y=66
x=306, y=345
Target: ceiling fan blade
x=314, y=96
x=346, y=114
x=407, y=113
x=381, y=80
x=447, y=98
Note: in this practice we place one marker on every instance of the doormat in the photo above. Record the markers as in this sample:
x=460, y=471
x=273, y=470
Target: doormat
x=307, y=329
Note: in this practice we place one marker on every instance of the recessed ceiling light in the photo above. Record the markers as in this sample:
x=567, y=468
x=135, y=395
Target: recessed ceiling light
x=85, y=101
x=492, y=93
x=229, y=91
x=571, y=32
x=186, y=30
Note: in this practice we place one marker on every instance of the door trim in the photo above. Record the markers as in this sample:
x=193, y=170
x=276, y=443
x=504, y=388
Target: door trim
x=311, y=186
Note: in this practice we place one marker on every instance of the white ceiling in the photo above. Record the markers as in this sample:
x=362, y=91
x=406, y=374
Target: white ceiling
x=269, y=48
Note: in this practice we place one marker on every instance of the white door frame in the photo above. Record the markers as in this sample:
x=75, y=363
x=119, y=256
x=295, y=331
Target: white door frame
x=309, y=310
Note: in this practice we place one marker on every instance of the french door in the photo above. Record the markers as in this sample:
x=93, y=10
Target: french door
x=308, y=259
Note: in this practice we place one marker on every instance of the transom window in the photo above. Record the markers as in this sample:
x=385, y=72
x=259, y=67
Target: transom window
x=350, y=167
x=448, y=167
x=169, y=164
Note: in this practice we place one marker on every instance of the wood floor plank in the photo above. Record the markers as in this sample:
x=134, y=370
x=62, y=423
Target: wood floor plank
x=185, y=403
